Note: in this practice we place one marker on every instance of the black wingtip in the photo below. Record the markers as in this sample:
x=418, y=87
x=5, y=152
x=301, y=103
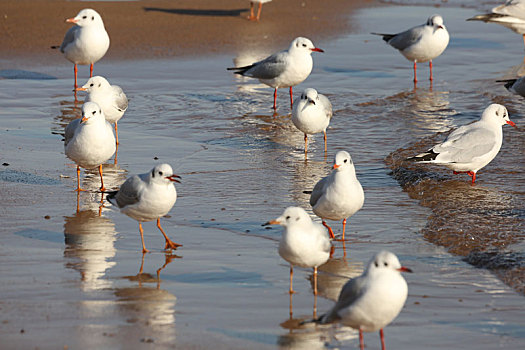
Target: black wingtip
x=424, y=157
x=54, y=47
x=307, y=192
x=386, y=37
x=110, y=196
x=508, y=83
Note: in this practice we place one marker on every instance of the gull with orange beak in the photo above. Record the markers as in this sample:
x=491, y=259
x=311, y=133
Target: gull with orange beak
x=86, y=42
x=304, y=243
x=338, y=195
x=146, y=197
x=89, y=141
x=283, y=69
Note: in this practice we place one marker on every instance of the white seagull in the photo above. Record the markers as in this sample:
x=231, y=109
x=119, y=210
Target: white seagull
x=89, y=141
x=338, y=195
x=371, y=301
x=510, y=15
x=304, y=243
x=147, y=197
x=311, y=113
x=283, y=69
x=421, y=43
x=110, y=98
x=470, y=147
x=86, y=42
x=516, y=86
x=252, y=17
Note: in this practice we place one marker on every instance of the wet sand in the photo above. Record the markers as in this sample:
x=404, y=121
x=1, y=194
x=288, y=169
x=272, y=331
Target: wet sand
x=76, y=279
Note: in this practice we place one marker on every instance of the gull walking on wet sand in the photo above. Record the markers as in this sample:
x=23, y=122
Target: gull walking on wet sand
x=89, y=141
x=470, y=147
x=304, y=243
x=339, y=195
x=110, y=98
x=421, y=43
x=283, y=69
x=252, y=17
x=371, y=301
x=86, y=42
x=311, y=113
x=147, y=197
x=511, y=15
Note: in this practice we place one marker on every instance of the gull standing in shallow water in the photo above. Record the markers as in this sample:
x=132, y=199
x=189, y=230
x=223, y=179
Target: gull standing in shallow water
x=371, y=301
x=510, y=15
x=338, y=195
x=311, y=113
x=470, y=147
x=421, y=43
x=110, y=98
x=86, y=42
x=283, y=69
x=89, y=141
x=304, y=243
x=147, y=197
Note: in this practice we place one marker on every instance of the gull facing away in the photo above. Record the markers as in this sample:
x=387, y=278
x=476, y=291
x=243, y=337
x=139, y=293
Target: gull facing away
x=110, y=98
x=339, y=195
x=304, y=243
x=516, y=86
x=89, y=141
x=421, y=43
x=470, y=147
x=252, y=17
x=86, y=42
x=510, y=15
x=286, y=68
x=146, y=197
x=311, y=113
x=371, y=301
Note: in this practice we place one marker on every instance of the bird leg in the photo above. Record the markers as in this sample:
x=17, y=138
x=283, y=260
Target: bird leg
x=275, y=99
x=361, y=340
x=382, y=339
x=144, y=250
x=291, y=97
x=251, y=17
x=315, y=281
x=291, y=291
x=76, y=85
x=259, y=11
x=415, y=72
x=523, y=39
x=344, y=226
x=91, y=70
x=116, y=133
x=472, y=175
x=329, y=230
x=102, y=188
x=169, y=243
x=305, y=144
x=430, y=66
x=78, y=180
x=325, y=149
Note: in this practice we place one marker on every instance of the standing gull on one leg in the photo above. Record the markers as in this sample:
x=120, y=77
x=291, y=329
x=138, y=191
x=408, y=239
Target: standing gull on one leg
x=283, y=69
x=146, y=197
x=470, y=147
x=421, y=43
x=304, y=243
x=311, y=113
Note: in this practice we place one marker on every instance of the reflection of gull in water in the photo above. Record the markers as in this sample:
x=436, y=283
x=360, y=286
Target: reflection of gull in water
x=334, y=274
x=114, y=176
x=246, y=84
x=90, y=240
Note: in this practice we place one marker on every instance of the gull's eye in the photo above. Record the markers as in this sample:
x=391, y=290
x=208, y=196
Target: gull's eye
x=288, y=217
x=91, y=84
x=94, y=112
x=160, y=173
x=84, y=17
x=304, y=45
x=92, y=18
x=346, y=160
x=100, y=111
x=385, y=263
x=376, y=264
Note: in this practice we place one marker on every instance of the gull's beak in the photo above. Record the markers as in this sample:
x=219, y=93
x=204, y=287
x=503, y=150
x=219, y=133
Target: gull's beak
x=173, y=178
x=271, y=222
x=316, y=49
x=72, y=20
x=404, y=269
x=83, y=119
x=336, y=166
x=511, y=123
x=81, y=89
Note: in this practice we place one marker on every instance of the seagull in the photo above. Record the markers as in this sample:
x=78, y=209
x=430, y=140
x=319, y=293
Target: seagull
x=338, y=195
x=470, y=147
x=510, y=15
x=311, y=113
x=252, y=17
x=110, y=98
x=516, y=86
x=371, y=301
x=147, y=197
x=421, y=43
x=304, y=243
x=86, y=42
x=89, y=141
x=283, y=69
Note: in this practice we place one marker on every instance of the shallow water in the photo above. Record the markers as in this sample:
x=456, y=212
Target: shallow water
x=71, y=278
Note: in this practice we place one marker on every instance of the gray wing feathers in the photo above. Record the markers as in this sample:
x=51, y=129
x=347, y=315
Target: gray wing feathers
x=129, y=192
x=69, y=37
x=121, y=98
x=407, y=38
x=327, y=105
x=268, y=68
x=352, y=290
x=464, y=145
x=69, y=132
x=317, y=192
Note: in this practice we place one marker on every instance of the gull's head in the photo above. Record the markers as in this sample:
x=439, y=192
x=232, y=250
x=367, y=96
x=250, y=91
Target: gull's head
x=310, y=96
x=291, y=216
x=163, y=174
x=435, y=21
x=343, y=161
x=96, y=83
x=86, y=18
x=91, y=112
x=497, y=113
x=303, y=44
x=385, y=261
